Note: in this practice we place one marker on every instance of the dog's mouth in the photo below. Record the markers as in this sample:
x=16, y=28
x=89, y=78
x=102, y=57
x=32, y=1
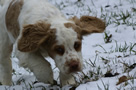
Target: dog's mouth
x=74, y=70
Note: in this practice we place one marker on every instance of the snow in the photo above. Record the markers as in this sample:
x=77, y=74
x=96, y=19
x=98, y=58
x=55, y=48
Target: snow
x=99, y=57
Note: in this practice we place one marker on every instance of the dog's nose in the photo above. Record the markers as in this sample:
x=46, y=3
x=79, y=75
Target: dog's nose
x=74, y=65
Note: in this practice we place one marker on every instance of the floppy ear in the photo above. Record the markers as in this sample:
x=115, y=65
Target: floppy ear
x=89, y=24
x=33, y=36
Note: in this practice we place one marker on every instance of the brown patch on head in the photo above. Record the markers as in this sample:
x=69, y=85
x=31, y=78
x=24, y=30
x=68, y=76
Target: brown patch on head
x=34, y=35
x=76, y=29
x=12, y=17
x=89, y=24
x=71, y=25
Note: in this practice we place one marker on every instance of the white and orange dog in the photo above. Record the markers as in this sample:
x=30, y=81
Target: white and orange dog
x=38, y=30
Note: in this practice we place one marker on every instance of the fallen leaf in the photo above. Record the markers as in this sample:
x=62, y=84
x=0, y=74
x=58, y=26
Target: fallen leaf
x=122, y=79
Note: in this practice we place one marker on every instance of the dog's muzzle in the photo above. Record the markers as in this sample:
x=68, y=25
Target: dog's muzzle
x=74, y=66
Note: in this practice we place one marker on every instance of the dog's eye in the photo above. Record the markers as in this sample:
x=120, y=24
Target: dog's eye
x=77, y=46
x=60, y=50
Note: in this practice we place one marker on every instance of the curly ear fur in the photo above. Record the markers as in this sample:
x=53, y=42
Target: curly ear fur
x=33, y=36
x=89, y=24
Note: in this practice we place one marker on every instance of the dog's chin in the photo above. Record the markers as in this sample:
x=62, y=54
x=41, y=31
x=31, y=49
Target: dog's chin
x=68, y=70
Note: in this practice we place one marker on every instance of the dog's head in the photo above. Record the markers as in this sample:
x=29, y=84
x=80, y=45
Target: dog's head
x=63, y=42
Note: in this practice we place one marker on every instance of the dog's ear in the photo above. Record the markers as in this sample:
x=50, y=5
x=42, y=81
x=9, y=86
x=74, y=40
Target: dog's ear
x=89, y=24
x=33, y=36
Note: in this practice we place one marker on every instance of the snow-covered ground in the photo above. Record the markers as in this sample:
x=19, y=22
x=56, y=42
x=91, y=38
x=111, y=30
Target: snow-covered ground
x=109, y=57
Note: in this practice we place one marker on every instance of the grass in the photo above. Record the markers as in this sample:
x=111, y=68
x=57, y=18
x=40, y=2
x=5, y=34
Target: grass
x=124, y=48
x=106, y=86
x=118, y=17
x=107, y=38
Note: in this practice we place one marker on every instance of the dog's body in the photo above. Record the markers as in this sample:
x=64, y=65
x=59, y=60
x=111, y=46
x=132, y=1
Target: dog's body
x=38, y=30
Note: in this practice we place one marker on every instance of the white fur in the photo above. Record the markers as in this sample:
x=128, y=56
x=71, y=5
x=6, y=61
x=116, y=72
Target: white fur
x=67, y=38
x=33, y=11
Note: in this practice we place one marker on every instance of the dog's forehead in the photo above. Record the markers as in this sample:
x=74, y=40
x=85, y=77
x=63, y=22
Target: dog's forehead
x=66, y=35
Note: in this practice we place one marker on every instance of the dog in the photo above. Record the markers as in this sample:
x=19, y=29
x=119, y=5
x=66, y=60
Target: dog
x=38, y=30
